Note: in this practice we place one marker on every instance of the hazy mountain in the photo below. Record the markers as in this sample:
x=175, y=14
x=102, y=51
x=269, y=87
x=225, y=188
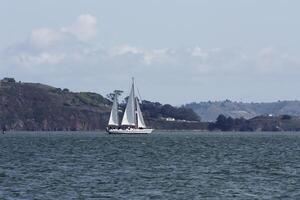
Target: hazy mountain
x=209, y=111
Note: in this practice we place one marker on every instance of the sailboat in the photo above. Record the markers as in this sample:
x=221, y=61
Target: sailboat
x=132, y=122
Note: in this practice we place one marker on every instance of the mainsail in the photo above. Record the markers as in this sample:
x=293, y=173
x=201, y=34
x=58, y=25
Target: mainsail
x=114, y=116
x=129, y=114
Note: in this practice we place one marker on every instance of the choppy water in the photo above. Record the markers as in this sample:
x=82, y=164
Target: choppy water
x=158, y=166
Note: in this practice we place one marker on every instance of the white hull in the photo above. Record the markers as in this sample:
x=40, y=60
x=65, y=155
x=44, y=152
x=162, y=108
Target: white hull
x=130, y=131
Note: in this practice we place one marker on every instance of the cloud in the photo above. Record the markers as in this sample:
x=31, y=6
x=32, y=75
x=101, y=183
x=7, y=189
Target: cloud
x=70, y=45
x=271, y=60
x=84, y=29
x=199, y=52
x=39, y=59
x=84, y=66
x=43, y=37
x=125, y=49
x=50, y=46
x=147, y=56
x=64, y=46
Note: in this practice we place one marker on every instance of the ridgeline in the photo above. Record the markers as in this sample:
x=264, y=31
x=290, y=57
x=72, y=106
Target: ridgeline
x=209, y=111
x=38, y=107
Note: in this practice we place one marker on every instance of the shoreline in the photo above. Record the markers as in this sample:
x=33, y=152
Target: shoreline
x=157, y=130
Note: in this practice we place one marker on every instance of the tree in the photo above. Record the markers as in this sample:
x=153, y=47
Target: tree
x=118, y=92
x=111, y=96
x=286, y=117
x=224, y=124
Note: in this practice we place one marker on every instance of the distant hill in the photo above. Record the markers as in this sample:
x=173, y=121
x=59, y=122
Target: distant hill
x=259, y=123
x=35, y=106
x=209, y=111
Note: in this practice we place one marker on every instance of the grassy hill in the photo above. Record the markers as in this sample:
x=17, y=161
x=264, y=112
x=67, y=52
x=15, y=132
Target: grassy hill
x=34, y=106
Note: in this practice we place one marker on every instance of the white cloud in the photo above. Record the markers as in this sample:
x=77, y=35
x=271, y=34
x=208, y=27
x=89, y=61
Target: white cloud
x=39, y=59
x=68, y=47
x=125, y=49
x=160, y=67
x=148, y=56
x=271, y=60
x=43, y=37
x=193, y=61
x=51, y=46
x=199, y=52
x=84, y=29
x=157, y=55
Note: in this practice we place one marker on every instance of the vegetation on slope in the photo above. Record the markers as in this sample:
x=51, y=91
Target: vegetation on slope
x=259, y=123
x=31, y=106
x=34, y=106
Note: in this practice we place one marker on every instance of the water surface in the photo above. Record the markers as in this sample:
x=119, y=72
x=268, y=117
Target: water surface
x=181, y=165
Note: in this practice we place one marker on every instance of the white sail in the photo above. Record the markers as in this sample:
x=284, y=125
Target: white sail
x=114, y=116
x=129, y=114
x=132, y=117
x=140, y=119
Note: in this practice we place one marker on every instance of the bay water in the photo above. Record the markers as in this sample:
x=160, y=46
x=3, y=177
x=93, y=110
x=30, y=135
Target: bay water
x=162, y=165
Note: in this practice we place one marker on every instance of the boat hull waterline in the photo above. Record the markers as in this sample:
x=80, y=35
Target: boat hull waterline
x=130, y=131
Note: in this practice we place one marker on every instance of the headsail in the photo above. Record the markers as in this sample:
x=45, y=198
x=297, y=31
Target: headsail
x=114, y=116
x=129, y=114
x=140, y=119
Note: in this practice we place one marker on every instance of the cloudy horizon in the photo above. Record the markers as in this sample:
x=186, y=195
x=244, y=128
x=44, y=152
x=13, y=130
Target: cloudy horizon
x=178, y=51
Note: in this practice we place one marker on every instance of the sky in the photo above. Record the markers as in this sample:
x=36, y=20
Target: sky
x=179, y=51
